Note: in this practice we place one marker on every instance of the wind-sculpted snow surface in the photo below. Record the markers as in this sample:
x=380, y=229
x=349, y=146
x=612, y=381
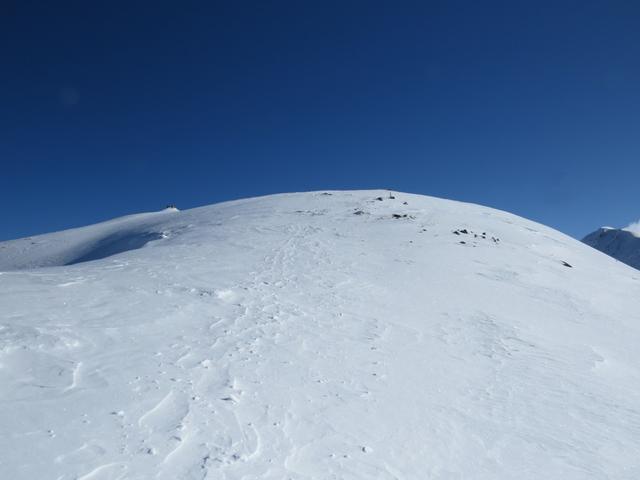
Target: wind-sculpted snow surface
x=340, y=335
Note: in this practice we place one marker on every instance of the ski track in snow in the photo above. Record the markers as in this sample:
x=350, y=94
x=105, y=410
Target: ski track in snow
x=289, y=338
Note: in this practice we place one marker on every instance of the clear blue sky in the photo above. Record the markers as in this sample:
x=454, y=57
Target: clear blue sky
x=110, y=108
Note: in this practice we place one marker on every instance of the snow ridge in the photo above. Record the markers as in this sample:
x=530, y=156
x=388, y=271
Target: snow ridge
x=84, y=244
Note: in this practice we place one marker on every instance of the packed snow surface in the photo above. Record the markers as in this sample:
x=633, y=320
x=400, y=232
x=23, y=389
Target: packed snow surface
x=622, y=244
x=326, y=335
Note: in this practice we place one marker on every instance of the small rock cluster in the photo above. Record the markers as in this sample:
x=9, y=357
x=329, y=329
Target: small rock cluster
x=483, y=235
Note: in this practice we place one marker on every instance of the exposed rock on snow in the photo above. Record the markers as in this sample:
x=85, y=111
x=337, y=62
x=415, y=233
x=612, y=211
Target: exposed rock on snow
x=288, y=337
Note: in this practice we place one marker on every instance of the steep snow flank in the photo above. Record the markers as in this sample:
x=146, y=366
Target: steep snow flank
x=84, y=244
x=344, y=335
x=621, y=244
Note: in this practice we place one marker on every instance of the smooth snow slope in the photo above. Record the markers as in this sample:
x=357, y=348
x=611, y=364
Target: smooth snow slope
x=618, y=243
x=315, y=336
x=84, y=244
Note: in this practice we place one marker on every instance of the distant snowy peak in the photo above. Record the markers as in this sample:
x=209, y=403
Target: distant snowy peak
x=620, y=243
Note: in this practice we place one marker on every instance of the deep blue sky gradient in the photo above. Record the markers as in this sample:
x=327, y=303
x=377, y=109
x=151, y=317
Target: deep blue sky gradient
x=111, y=108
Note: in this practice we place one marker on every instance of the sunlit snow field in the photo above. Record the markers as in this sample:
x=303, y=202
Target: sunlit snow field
x=324, y=335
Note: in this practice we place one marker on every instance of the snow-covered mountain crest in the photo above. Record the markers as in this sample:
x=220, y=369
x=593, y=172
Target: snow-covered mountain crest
x=621, y=244
x=344, y=335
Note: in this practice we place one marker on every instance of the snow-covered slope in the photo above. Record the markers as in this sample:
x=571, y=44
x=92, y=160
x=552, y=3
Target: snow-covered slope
x=621, y=244
x=84, y=244
x=318, y=336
